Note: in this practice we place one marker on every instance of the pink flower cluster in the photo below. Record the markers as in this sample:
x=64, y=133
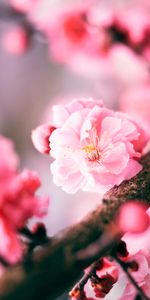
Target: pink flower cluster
x=111, y=283
x=18, y=202
x=87, y=35
x=94, y=147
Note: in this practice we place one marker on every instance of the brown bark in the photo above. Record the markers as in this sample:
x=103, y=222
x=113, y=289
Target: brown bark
x=53, y=269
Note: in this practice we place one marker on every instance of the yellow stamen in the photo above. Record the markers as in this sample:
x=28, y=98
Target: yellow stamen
x=88, y=148
x=92, y=153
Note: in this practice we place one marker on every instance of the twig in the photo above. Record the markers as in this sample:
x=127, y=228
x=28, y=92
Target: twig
x=81, y=283
x=132, y=280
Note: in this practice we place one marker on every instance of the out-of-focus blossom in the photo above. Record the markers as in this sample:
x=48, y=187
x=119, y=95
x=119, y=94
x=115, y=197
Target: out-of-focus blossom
x=23, y=5
x=94, y=148
x=15, y=41
x=136, y=102
x=127, y=66
x=77, y=37
x=40, y=137
x=18, y=202
x=40, y=13
x=135, y=24
x=89, y=41
x=133, y=218
x=138, y=241
x=70, y=35
x=126, y=22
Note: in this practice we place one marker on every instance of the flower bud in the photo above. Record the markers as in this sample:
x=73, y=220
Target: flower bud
x=40, y=138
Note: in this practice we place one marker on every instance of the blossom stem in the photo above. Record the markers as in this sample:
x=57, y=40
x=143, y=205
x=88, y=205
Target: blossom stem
x=138, y=297
x=87, y=275
x=134, y=283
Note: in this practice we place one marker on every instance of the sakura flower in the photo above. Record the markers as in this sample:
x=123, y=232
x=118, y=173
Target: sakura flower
x=18, y=202
x=94, y=148
x=88, y=41
x=71, y=35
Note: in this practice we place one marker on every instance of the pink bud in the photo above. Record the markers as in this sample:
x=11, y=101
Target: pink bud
x=133, y=218
x=15, y=41
x=40, y=137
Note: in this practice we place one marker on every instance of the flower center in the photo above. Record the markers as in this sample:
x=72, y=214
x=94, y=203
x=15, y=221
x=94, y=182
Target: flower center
x=91, y=152
x=75, y=28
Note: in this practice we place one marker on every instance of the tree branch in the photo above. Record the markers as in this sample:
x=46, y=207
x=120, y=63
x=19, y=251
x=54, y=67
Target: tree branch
x=54, y=268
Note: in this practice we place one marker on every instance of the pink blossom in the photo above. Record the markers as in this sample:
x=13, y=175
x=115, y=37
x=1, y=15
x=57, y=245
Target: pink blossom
x=40, y=12
x=70, y=35
x=94, y=148
x=18, y=202
x=22, y=5
x=84, y=39
x=89, y=42
x=68, y=32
